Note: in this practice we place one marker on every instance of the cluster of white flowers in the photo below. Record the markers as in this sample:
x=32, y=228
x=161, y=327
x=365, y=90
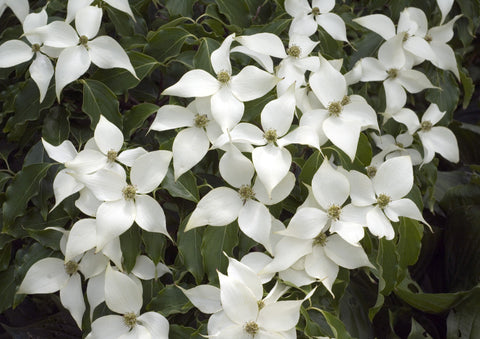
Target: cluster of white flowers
x=74, y=49
x=312, y=108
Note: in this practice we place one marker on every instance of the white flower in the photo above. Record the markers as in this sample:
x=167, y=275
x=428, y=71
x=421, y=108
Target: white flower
x=82, y=48
x=394, y=69
x=386, y=191
x=14, y=52
x=123, y=295
x=344, y=117
x=395, y=147
x=306, y=18
x=192, y=143
x=73, y=6
x=240, y=311
x=411, y=30
x=445, y=7
x=437, y=139
x=19, y=7
x=227, y=93
x=125, y=203
x=50, y=275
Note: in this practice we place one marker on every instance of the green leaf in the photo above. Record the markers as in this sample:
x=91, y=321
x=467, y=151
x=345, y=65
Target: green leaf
x=119, y=80
x=310, y=167
x=461, y=239
x=387, y=273
x=434, y=303
x=170, y=300
x=155, y=244
x=185, y=187
x=215, y=241
x=56, y=127
x=336, y=325
x=7, y=288
x=202, y=57
x=24, y=186
x=166, y=43
x=417, y=331
x=464, y=320
x=5, y=256
x=134, y=118
x=98, y=100
x=448, y=93
x=236, y=11
x=183, y=8
x=364, y=151
x=131, y=242
x=409, y=243
x=468, y=89
x=189, y=250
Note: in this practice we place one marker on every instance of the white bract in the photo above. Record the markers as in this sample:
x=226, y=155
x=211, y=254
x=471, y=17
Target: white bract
x=19, y=7
x=15, y=52
x=192, y=143
x=125, y=203
x=344, y=117
x=240, y=310
x=437, y=139
x=394, y=69
x=82, y=47
x=73, y=6
x=227, y=92
x=123, y=295
x=385, y=193
x=307, y=18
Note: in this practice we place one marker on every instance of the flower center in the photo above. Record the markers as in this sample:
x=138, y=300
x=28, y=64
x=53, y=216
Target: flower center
x=371, y=171
x=399, y=144
x=346, y=100
x=200, y=121
x=392, y=73
x=223, y=77
x=334, y=212
x=71, y=267
x=294, y=51
x=406, y=37
x=383, y=200
x=251, y=327
x=315, y=11
x=35, y=48
x=270, y=135
x=129, y=192
x=260, y=304
x=112, y=155
x=130, y=319
x=426, y=126
x=335, y=108
x=428, y=38
x=83, y=40
x=320, y=239
x=246, y=193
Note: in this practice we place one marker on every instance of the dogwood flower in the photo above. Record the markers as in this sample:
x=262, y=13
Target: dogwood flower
x=15, y=52
x=394, y=69
x=227, y=93
x=385, y=192
x=395, y=147
x=437, y=139
x=306, y=18
x=192, y=143
x=125, y=203
x=345, y=116
x=82, y=47
x=19, y=7
x=50, y=275
x=123, y=295
x=411, y=30
x=240, y=311
x=73, y=6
